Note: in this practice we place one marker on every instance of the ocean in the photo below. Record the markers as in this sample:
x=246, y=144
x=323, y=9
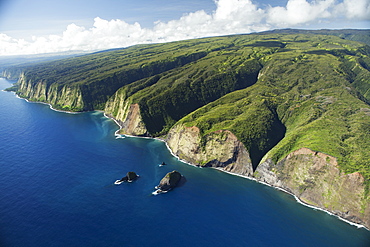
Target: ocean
x=57, y=188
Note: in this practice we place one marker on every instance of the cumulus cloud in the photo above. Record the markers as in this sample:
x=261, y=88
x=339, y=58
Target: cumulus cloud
x=299, y=12
x=230, y=17
x=359, y=9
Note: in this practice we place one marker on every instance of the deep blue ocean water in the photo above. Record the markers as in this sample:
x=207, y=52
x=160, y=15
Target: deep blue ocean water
x=56, y=189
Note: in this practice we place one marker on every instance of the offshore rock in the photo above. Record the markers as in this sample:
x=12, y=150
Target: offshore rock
x=170, y=181
x=220, y=149
x=130, y=176
x=315, y=179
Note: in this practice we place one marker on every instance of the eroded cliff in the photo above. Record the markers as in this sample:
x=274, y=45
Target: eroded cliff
x=315, y=178
x=11, y=73
x=220, y=149
x=61, y=97
x=129, y=118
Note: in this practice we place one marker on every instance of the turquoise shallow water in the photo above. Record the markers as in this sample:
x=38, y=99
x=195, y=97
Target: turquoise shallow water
x=56, y=189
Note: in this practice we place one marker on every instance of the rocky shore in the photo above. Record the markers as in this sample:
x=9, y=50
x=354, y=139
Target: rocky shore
x=313, y=178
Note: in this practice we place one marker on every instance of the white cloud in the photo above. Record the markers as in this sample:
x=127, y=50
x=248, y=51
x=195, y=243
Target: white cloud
x=230, y=17
x=354, y=9
x=299, y=12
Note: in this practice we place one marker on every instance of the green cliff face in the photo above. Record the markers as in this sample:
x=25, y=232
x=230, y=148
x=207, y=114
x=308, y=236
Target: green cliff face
x=98, y=76
x=254, y=105
x=11, y=73
x=167, y=97
x=60, y=97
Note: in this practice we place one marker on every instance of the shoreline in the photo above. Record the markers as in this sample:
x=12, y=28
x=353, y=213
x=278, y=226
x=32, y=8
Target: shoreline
x=296, y=198
x=246, y=177
x=188, y=163
x=44, y=103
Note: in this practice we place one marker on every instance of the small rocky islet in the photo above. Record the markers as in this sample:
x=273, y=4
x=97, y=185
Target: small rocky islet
x=130, y=176
x=169, y=182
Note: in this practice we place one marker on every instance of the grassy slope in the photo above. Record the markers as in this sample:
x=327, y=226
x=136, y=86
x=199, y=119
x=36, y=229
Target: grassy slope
x=360, y=35
x=101, y=74
x=309, y=87
x=167, y=97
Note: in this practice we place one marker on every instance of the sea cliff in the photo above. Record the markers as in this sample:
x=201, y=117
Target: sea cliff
x=291, y=110
x=63, y=97
x=315, y=179
x=11, y=74
x=127, y=115
x=220, y=149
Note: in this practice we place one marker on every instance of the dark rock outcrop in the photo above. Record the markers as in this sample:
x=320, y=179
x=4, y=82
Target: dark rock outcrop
x=130, y=176
x=170, y=181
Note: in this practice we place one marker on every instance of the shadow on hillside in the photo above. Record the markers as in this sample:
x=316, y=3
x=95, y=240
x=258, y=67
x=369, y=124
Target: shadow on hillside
x=274, y=136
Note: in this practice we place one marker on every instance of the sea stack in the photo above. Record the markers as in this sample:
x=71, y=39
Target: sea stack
x=130, y=176
x=170, y=181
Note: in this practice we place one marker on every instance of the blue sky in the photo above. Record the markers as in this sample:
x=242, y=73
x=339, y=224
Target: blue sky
x=44, y=26
x=20, y=17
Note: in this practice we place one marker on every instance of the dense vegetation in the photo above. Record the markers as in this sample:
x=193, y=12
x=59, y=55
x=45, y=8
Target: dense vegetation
x=276, y=92
x=360, y=35
x=318, y=87
x=12, y=66
x=167, y=97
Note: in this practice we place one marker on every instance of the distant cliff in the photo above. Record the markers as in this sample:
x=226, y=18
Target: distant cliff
x=62, y=97
x=96, y=77
x=11, y=73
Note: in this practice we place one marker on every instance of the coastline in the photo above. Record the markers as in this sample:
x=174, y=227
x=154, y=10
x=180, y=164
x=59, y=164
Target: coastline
x=50, y=106
x=246, y=177
x=296, y=198
x=275, y=187
x=188, y=163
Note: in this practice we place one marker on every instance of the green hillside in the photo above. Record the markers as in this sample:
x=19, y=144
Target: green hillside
x=276, y=92
x=360, y=35
x=311, y=96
